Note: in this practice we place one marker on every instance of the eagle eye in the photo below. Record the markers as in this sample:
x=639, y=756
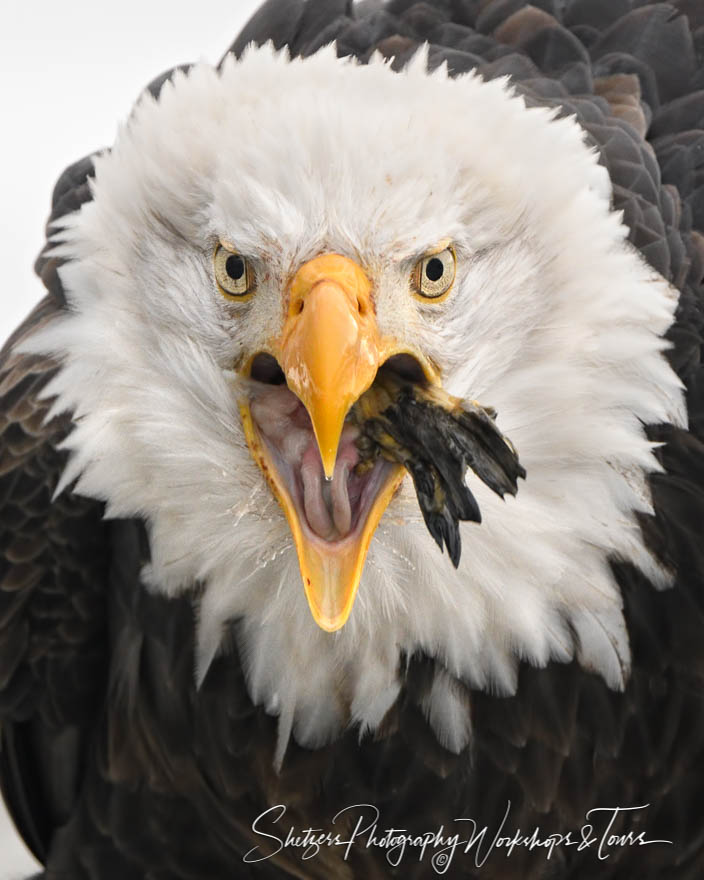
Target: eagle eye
x=433, y=275
x=234, y=275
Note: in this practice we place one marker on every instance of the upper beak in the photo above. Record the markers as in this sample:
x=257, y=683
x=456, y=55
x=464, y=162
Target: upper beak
x=330, y=347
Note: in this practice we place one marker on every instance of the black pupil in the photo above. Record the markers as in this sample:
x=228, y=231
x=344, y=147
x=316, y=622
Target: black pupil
x=235, y=267
x=434, y=269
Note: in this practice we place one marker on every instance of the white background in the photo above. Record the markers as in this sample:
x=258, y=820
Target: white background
x=69, y=71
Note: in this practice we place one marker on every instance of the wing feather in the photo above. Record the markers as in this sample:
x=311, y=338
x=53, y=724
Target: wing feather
x=53, y=563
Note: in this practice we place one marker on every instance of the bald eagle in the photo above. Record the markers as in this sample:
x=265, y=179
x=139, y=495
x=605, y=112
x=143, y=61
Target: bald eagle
x=233, y=440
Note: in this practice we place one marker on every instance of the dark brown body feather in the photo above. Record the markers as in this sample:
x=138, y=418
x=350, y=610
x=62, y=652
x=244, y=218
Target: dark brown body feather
x=115, y=766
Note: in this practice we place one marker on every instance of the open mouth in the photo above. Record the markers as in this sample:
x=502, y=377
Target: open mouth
x=332, y=520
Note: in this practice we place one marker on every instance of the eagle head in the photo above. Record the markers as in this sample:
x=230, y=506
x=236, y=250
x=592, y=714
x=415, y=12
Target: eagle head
x=263, y=242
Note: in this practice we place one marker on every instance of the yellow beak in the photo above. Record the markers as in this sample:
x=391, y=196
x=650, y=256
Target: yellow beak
x=330, y=346
x=329, y=350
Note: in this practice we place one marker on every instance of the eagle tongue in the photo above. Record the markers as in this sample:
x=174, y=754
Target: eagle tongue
x=317, y=512
x=340, y=497
x=327, y=502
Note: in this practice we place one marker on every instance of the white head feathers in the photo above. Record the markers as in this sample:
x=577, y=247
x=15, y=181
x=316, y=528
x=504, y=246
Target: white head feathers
x=553, y=320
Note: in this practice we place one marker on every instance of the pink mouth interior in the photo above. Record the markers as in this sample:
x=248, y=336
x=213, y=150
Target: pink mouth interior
x=332, y=509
